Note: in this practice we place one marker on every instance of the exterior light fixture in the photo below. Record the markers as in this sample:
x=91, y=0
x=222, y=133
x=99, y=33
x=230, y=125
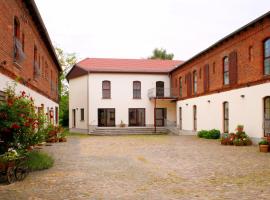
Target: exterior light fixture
x=208, y=101
x=186, y=104
x=242, y=95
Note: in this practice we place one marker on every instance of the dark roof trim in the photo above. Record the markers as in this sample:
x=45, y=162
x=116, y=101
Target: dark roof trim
x=31, y=5
x=223, y=39
x=75, y=72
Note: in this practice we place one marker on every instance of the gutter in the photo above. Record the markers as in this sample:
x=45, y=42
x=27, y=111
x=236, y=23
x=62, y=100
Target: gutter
x=87, y=123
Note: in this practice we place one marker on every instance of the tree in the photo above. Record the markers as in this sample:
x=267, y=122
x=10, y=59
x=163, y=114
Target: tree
x=161, y=54
x=67, y=60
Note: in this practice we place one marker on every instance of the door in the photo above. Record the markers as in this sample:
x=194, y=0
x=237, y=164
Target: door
x=195, y=118
x=226, y=117
x=160, y=89
x=180, y=118
x=106, y=117
x=74, y=118
x=160, y=116
x=266, y=116
x=136, y=116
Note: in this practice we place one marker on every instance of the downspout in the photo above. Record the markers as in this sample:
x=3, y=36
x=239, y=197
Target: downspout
x=87, y=123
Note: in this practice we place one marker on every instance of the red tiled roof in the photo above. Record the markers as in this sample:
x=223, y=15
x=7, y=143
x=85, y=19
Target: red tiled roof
x=128, y=65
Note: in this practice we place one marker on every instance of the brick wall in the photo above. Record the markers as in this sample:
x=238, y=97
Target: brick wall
x=24, y=70
x=249, y=71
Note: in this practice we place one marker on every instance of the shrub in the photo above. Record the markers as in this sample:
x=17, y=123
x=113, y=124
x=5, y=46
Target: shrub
x=239, y=138
x=211, y=134
x=39, y=160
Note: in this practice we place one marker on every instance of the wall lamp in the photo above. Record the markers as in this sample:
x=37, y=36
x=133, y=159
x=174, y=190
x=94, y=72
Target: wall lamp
x=186, y=104
x=208, y=101
x=242, y=96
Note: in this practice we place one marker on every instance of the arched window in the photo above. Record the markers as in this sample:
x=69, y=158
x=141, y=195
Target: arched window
x=226, y=70
x=266, y=116
x=136, y=89
x=195, y=118
x=106, y=89
x=226, y=117
x=16, y=35
x=16, y=28
x=267, y=57
x=195, y=82
x=180, y=87
x=160, y=89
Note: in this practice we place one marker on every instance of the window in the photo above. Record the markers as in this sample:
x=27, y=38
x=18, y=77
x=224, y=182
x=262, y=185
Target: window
x=82, y=114
x=136, y=89
x=226, y=70
x=106, y=89
x=194, y=117
x=18, y=47
x=206, y=78
x=136, y=117
x=226, y=117
x=106, y=117
x=214, y=67
x=267, y=57
x=160, y=89
x=200, y=73
x=180, y=87
x=36, y=63
x=46, y=71
x=250, y=53
x=23, y=37
x=194, y=82
x=266, y=116
x=2, y=96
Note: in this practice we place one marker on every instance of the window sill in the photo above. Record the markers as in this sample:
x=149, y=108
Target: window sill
x=106, y=98
x=137, y=98
x=17, y=65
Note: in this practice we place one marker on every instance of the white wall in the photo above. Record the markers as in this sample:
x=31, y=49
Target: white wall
x=78, y=100
x=247, y=111
x=122, y=95
x=38, y=98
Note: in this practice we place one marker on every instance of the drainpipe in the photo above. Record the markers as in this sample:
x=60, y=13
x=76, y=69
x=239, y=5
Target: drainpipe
x=155, y=115
x=87, y=123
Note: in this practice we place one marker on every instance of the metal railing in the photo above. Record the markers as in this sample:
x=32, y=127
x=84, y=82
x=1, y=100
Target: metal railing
x=162, y=93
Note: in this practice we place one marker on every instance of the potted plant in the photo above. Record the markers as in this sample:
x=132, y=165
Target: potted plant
x=264, y=145
x=122, y=124
x=239, y=128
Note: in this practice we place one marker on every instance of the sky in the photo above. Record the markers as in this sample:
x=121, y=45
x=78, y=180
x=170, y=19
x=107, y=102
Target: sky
x=133, y=28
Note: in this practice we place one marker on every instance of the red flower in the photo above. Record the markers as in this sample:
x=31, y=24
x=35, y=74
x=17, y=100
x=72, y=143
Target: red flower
x=27, y=124
x=10, y=102
x=23, y=93
x=15, y=126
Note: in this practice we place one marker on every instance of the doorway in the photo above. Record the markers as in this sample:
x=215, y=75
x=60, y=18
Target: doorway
x=106, y=117
x=74, y=118
x=161, y=115
x=160, y=89
x=136, y=117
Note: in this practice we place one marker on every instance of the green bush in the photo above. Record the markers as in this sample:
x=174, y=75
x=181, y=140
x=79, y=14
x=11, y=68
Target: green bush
x=211, y=134
x=39, y=160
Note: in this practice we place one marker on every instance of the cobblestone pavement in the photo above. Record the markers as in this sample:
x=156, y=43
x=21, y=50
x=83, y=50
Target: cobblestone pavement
x=147, y=167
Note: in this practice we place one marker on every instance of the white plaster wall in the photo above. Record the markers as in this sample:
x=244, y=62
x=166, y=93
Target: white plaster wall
x=38, y=98
x=78, y=100
x=122, y=95
x=247, y=111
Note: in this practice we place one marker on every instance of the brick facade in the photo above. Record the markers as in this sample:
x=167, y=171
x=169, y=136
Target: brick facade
x=246, y=45
x=44, y=78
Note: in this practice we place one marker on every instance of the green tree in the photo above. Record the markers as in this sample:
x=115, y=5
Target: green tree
x=161, y=54
x=67, y=60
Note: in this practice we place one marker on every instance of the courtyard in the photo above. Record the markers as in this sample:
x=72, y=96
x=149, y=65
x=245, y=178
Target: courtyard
x=146, y=167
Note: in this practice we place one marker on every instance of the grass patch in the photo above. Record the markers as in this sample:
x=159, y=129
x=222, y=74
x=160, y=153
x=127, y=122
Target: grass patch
x=39, y=161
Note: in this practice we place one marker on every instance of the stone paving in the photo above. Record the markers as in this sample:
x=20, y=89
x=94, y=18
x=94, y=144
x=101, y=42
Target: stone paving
x=147, y=167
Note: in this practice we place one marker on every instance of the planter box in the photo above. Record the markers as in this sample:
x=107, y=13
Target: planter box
x=264, y=148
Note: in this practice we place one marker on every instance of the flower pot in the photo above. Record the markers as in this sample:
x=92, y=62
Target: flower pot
x=264, y=148
x=62, y=139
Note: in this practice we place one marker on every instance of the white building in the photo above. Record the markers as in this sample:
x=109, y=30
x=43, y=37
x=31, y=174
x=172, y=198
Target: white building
x=113, y=92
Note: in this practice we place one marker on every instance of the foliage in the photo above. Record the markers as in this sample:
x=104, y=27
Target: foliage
x=264, y=142
x=67, y=60
x=39, y=160
x=161, y=54
x=10, y=155
x=211, y=134
x=240, y=138
x=20, y=125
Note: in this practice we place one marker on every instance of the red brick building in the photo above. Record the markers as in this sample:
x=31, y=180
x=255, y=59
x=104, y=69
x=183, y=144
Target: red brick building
x=228, y=83
x=27, y=54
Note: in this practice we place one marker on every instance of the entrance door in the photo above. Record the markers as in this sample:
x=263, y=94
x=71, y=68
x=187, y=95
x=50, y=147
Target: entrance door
x=266, y=116
x=74, y=118
x=195, y=118
x=180, y=118
x=160, y=89
x=136, y=116
x=161, y=116
x=106, y=117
